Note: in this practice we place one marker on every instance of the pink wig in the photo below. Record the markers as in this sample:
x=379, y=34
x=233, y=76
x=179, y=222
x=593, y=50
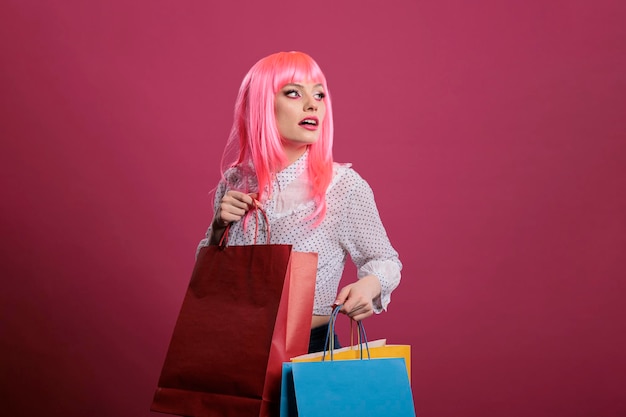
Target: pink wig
x=254, y=136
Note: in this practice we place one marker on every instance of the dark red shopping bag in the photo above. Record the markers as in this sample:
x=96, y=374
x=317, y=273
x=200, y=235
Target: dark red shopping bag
x=247, y=310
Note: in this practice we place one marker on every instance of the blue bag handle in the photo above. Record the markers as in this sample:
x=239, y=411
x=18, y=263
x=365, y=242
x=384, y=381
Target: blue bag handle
x=330, y=336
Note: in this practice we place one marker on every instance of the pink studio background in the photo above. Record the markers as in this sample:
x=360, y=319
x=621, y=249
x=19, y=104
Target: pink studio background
x=493, y=135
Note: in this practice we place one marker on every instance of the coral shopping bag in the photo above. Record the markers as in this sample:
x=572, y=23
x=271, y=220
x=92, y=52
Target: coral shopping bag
x=247, y=309
x=362, y=387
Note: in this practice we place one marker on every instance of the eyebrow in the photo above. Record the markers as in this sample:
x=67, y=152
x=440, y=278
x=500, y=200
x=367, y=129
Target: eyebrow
x=301, y=86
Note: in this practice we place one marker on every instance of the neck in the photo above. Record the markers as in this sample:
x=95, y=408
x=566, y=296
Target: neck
x=293, y=153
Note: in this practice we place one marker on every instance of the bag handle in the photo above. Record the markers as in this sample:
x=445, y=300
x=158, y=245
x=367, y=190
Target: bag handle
x=330, y=336
x=263, y=215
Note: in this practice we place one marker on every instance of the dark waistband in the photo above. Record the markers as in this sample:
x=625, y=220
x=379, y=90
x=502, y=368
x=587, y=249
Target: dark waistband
x=319, y=331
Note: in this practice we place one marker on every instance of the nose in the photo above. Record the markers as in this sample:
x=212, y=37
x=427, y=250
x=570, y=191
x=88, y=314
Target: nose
x=310, y=103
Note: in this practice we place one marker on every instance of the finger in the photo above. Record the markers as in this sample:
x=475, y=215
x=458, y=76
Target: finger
x=359, y=305
x=362, y=316
x=256, y=203
x=247, y=199
x=342, y=296
x=359, y=308
x=229, y=217
x=238, y=199
x=230, y=212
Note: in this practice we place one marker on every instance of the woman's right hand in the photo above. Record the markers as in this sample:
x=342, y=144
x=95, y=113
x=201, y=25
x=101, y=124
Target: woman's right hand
x=233, y=207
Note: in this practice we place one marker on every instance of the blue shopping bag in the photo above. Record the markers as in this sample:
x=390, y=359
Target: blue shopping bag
x=366, y=387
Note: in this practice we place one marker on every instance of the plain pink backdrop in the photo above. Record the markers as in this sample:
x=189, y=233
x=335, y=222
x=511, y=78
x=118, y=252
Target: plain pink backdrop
x=493, y=134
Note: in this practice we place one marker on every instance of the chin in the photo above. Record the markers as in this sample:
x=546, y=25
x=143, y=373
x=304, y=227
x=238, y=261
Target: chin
x=302, y=141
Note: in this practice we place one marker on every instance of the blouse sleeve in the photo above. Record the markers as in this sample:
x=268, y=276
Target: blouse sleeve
x=219, y=193
x=365, y=239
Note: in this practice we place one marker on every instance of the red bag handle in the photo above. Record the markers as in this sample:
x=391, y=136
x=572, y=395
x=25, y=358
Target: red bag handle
x=257, y=209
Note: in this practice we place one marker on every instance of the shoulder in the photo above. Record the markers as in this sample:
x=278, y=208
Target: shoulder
x=233, y=174
x=240, y=177
x=345, y=176
x=348, y=184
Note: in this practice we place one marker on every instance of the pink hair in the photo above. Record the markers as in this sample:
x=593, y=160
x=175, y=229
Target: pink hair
x=254, y=135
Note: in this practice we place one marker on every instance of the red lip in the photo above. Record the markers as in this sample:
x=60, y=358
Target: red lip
x=310, y=126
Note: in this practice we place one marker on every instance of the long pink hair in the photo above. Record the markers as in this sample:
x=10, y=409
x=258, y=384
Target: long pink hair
x=254, y=137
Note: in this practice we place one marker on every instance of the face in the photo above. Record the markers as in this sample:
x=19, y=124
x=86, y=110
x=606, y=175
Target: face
x=300, y=110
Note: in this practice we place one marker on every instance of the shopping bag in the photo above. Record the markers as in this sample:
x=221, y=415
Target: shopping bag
x=247, y=309
x=293, y=325
x=361, y=387
x=377, y=349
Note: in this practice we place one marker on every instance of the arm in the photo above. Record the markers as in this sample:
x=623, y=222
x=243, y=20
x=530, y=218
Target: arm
x=365, y=239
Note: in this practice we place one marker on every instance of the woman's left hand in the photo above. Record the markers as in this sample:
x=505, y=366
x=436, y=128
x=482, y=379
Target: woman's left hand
x=357, y=297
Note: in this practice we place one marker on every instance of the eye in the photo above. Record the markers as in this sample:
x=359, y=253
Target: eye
x=319, y=96
x=292, y=93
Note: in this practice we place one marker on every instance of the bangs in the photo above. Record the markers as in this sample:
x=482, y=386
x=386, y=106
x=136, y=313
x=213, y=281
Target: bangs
x=295, y=67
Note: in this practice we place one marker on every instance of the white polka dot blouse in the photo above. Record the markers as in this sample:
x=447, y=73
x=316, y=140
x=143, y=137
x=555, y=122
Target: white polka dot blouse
x=352, y=226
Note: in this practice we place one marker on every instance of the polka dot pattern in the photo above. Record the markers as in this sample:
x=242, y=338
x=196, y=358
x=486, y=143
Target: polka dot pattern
x=351, y=227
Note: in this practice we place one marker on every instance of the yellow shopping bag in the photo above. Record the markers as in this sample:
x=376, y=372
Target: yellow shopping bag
x=377, y=348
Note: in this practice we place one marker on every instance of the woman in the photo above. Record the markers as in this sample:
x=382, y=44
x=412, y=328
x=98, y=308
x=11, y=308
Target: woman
x=282, y=135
